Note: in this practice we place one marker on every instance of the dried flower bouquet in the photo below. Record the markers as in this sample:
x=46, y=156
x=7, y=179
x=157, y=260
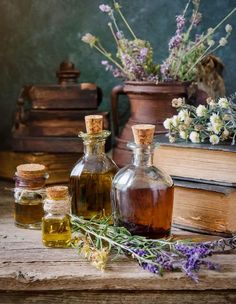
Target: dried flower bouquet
x=134, y=57
x=215, y=122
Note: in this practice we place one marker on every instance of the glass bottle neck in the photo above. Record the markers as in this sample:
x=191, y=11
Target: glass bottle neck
x=143, y=156
x=95, y=147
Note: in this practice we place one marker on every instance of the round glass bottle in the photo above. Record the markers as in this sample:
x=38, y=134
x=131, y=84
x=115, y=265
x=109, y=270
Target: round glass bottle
x=142, y=195
x=91, y=178
x=56, y=231
x=29, y=193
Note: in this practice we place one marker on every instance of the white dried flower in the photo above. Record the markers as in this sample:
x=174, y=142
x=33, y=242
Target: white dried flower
x=201, y=111
x=228, y=28
x=223, y=103
x=194, y=137
x=183, y=134
x=215, y=118
x=175, y=121
x=167, y=123
x=178, y=102
x=211, y=42
x=210, y=31
x=223, y=41
x=183, y=115
x=172, y=139
x=216, y=127
x=188, y=121
x=216, y=123
x=214, y=139
x=89, y=38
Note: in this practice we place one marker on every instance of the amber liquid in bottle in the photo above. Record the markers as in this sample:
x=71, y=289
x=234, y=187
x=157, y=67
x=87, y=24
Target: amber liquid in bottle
x=29, y=215
x=91, y=178
x=147, y=212
x=56, y=231
x=91, y=193
x=142, y=196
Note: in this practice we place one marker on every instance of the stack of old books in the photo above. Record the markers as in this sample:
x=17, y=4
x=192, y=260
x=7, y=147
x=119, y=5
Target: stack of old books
x=47, y=122
x=205, y=184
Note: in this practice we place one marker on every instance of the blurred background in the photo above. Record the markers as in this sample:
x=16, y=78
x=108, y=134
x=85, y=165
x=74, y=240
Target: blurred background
x=37, y=35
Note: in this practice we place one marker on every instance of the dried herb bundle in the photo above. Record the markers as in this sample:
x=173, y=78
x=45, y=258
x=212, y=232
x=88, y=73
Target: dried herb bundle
x=97, y=238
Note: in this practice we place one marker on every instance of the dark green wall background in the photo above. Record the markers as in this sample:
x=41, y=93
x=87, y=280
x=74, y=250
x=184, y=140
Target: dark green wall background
x=36, y=35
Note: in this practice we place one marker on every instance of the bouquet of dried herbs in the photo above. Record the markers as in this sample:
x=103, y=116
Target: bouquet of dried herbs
x=134, y=57
x=97, y=238
x=214, y=122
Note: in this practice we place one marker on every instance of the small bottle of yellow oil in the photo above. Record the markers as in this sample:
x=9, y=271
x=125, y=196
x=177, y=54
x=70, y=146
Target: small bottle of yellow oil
x=56, y=231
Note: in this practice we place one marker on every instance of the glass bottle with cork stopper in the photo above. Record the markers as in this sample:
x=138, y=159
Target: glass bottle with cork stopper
x=29, y=193
x=142, y=195
x=56, y=231
x=91, y=177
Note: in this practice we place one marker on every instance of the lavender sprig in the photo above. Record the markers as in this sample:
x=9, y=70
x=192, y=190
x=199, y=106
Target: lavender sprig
x=99, y=238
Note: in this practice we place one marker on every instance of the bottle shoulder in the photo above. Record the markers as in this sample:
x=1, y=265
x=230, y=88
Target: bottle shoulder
x=94, y=163
x=131, y=176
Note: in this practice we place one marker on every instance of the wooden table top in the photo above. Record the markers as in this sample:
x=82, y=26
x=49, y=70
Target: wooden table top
x=31, y=273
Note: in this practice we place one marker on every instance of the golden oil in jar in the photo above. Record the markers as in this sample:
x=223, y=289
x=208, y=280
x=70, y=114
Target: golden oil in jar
x=56, y=231
x=29, y=193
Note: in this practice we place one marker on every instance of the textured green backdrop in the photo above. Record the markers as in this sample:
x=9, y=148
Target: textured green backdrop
x=36, y=35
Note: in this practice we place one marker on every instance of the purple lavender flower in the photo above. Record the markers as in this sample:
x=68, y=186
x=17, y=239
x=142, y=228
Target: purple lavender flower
x=175, y=41
x=144, y=52
x=180, y=22
x=165, y=70
x=105, y=8
x=115, y=71
x=150, y=267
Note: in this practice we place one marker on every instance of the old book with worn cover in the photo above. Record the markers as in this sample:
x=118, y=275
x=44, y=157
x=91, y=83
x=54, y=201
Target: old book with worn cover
x=204, y=207
x=203, y=162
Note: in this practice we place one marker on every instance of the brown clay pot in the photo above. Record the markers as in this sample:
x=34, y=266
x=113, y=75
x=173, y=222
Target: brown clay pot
x=149, y=103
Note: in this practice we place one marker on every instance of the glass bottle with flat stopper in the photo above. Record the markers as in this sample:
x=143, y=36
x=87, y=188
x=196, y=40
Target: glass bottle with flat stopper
x=56, y=231
x=91, y=178
x=142, y=195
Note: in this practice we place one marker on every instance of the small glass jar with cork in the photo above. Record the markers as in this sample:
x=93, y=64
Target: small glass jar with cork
x=29, y=193
x=142, y=195
x=91, y=178
x=56, y=231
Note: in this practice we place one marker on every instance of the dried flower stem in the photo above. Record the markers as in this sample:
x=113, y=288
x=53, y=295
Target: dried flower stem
x=212, y=32
x=125, y=21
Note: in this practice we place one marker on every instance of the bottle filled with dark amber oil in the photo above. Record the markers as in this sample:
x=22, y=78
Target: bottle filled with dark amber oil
x=91, y=178
x=142, y=195
x=29, y=193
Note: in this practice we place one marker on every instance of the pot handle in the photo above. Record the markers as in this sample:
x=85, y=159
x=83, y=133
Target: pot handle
x=116, y=91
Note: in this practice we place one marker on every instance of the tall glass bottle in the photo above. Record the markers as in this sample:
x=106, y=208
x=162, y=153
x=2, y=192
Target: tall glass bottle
x=91, y=178
x=142, y=195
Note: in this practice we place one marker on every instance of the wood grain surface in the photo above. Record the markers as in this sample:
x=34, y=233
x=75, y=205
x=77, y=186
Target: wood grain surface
x=31, y=273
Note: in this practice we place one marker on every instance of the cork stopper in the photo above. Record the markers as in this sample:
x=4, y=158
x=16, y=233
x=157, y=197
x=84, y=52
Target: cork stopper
x=29, y=171
x=94, y=124
x=57, y=192
x=143, y=134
